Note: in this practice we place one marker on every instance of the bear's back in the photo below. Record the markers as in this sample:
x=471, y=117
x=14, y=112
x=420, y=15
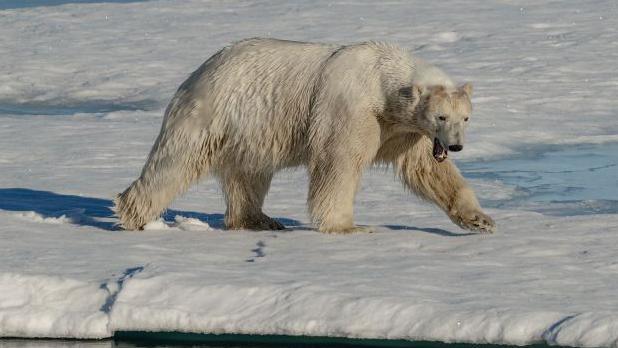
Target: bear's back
x=257, y=94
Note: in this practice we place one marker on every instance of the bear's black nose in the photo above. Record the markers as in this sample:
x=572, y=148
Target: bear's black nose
x=455, y=148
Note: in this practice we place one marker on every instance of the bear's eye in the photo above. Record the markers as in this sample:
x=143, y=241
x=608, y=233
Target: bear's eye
x=442, y=118
x=466, y=119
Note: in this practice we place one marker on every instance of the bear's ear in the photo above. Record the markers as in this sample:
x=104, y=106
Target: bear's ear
x=437, y=89
x=467, y=88
x=418, y=91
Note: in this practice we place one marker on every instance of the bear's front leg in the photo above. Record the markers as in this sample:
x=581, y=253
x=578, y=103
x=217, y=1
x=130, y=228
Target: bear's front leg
x=334, y=176
x=442, y=184
x=332, y=187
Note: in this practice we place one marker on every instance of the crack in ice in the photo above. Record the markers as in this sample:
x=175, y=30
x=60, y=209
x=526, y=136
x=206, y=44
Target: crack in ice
x=113, y=295
x=551, y=334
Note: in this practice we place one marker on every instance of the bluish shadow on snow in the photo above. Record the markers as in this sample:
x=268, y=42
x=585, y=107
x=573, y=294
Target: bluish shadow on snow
x=89, y=211
x=437, y=231
x=11, y=4
x=85, y=211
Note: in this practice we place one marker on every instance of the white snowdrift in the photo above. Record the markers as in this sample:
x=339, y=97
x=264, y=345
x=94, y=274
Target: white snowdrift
x=44, y=306
x=539, y=279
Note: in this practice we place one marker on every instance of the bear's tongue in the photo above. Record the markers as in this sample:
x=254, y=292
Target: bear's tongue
x=439, y=153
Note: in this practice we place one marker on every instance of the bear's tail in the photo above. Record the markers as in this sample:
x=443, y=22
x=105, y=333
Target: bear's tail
x=177, y=159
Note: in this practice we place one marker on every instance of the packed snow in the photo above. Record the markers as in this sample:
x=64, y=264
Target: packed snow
x=82, y=92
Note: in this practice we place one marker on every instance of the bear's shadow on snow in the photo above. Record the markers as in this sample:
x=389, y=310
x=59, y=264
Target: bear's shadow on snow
x=430, y=230
x=97, y=212
x=89, y=211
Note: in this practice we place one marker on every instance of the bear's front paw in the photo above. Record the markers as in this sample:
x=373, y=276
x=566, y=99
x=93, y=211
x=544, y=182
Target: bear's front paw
x=475, y=221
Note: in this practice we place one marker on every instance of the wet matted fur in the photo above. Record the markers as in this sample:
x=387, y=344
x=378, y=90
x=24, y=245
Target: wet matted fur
x=261, y=105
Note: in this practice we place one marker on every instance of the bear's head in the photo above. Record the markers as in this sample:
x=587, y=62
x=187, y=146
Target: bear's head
x=437, y=112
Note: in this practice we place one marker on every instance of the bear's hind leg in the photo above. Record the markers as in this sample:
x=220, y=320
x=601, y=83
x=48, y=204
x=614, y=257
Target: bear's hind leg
x=176, y=161
x=244, y=195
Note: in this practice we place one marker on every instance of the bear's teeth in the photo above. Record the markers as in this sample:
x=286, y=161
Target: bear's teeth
x=439, y=153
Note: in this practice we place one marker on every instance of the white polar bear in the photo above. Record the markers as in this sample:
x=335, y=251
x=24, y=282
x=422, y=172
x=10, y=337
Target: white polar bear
x=261, y=105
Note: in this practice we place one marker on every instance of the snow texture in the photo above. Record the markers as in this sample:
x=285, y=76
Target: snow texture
x=82, y=88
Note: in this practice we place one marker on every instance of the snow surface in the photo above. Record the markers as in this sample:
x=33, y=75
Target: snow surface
x=82, y=88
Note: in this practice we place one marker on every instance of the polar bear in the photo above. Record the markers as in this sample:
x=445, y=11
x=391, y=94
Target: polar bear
x=261, y=105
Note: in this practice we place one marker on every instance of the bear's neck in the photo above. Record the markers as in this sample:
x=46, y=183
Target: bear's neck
x=392, y=125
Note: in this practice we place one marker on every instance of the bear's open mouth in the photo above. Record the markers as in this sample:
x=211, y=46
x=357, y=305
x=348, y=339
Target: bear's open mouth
x=439, y=152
